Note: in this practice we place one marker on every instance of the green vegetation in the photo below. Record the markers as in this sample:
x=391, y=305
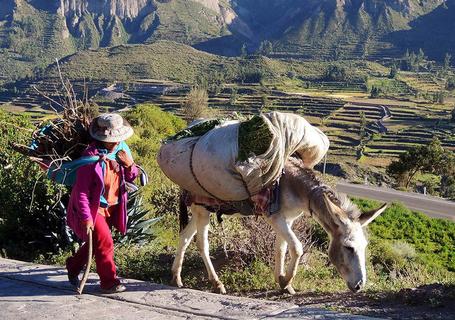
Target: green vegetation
x=407, y=249
x=196, y=104
x=197, y=130
x=31, y=41
x=186, y=22
x=255, y=137
x=432, y=239
x=30, y=218
x=431, y=158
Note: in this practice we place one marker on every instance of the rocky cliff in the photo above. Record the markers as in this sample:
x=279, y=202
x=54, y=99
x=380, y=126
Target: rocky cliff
x=124, y=9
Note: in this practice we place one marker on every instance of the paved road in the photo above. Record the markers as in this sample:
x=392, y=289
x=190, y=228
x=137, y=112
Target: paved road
x=31, y=291
x=431, y=206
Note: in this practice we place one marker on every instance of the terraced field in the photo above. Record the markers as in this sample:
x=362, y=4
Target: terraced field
x=389, y=128
x=22, y=96
x=422, y=82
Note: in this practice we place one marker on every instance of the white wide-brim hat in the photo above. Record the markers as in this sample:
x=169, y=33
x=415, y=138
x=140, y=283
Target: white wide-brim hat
x=110, y=127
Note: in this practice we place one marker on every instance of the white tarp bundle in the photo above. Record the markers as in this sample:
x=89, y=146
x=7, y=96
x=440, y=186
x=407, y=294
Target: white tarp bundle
x=208, y=165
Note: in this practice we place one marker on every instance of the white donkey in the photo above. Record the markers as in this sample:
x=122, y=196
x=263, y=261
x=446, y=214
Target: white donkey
x=300, y=192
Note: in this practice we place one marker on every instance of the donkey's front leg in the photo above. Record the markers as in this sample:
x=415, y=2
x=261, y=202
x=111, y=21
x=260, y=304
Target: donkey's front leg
x=202, y=241
x=184, y=240
x=283, y=230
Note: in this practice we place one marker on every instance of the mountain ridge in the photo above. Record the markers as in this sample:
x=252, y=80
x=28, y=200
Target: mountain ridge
x=35, y=32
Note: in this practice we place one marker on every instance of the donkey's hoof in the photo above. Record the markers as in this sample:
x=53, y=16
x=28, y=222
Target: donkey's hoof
x=219, y=288
x=289, y=290
x=282, y=282
x=176, y=282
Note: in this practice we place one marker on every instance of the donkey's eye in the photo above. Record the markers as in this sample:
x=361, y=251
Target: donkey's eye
x=350, y=249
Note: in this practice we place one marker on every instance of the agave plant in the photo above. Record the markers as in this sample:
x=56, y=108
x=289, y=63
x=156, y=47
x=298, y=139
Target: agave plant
x=139, y=227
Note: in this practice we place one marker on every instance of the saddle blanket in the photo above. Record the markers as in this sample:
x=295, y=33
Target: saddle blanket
x=266, y=202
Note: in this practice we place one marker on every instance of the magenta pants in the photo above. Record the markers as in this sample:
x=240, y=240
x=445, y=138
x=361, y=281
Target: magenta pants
x=103, y=250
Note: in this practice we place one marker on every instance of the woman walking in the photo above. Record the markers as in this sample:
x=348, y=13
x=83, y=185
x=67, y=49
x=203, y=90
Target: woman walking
x=98, y=199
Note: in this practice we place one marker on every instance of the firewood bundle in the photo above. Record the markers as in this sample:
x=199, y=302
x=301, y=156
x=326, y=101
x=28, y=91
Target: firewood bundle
x=65, y=136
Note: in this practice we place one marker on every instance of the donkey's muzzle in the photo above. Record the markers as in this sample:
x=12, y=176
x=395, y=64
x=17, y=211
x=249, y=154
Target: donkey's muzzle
x=357, y=287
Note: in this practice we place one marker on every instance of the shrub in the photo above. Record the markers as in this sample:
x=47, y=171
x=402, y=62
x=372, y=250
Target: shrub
x=450, y=83
x=336, y=73
x=30, y=218
x=196, y=104
x=249, y=239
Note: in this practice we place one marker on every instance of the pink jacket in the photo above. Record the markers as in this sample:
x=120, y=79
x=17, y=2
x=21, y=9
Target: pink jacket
x=85, y=196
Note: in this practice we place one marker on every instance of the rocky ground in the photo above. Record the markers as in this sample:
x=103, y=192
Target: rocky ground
x=433, y=302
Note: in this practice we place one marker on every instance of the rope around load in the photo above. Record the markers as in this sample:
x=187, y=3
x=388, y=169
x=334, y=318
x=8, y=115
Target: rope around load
x=197, y=180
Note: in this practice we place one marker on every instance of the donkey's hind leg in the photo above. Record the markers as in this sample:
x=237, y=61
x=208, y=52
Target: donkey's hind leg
x=283, y=229
x=280, y=255
x=184, y=240
x=202, y=240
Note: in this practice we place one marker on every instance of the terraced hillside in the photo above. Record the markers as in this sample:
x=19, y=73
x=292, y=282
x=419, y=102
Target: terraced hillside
x=389, y=128
x=42, y=97
x=379, y=129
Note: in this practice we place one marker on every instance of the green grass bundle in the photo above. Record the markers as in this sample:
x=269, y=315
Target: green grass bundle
x=255, y=137
x=197, y=130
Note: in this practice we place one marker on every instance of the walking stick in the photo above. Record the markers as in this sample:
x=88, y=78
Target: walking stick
x=89, y=262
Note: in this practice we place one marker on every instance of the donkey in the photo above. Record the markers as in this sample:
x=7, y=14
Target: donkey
x=301, y=192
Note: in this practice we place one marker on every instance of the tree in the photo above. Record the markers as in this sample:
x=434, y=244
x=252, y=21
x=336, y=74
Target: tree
x=336, y=73
x=362, y=127
x=31, y=221
x=431, y=158
x=243, y=51
x=196, y=104
x=251, y=74
x=439, y=97
x=375, y=92
x=410, y=61
x=265, y=48
x=393, y=71
x=420, y=57
x=450, y=85
x=233, y=98
x=453, y=115
x=447, y=58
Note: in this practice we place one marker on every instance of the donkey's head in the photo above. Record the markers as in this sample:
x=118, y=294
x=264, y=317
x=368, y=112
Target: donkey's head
x=347, y=239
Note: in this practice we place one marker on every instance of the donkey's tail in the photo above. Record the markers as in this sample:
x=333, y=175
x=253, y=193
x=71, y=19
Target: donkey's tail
x=183, y=210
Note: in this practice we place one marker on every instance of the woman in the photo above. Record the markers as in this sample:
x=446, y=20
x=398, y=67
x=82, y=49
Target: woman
x=98, y=199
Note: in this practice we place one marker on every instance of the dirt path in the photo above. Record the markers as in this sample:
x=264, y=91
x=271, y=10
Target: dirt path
x=435, y=302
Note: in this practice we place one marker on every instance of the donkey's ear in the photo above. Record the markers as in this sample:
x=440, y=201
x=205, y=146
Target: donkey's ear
x=335, y=211
x=369, y=216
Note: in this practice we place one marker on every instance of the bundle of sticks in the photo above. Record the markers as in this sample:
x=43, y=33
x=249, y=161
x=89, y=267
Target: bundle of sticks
x=65, y=136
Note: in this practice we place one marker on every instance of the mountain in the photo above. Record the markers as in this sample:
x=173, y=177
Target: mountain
x=327, y=28
x=35, y=32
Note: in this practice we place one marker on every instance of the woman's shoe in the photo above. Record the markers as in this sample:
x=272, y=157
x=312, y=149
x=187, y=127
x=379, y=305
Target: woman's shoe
x=73, y=279
x=114, y=289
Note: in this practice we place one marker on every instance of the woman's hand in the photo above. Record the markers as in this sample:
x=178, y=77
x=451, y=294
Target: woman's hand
x=88, y=226
x=124, y=159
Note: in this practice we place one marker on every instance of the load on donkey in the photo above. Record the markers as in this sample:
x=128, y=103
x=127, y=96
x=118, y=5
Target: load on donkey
x=263, y=166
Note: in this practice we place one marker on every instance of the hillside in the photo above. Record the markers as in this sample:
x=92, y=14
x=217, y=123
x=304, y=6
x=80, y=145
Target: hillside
x=35, y=32
x=337, y=29
x=169, y=60
x=164, y=60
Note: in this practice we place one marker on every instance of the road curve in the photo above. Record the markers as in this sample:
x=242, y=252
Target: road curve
x=431, y=206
